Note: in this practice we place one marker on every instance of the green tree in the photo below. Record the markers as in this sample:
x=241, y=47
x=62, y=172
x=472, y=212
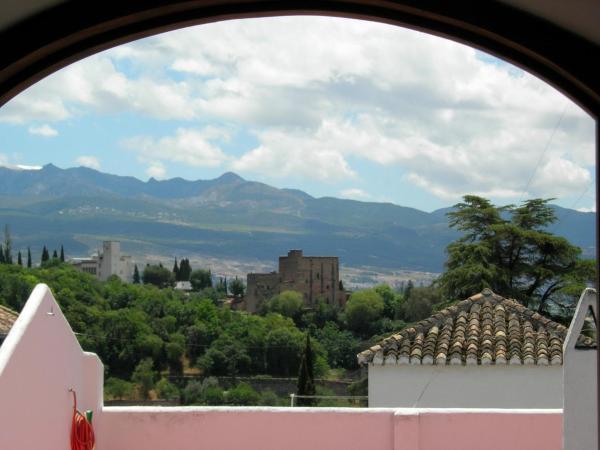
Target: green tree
x=174, y=352
x=8, y=259
x=362, y=310
x=269, y=398
x=222, y=286
x=420, y=303
x=306, y=377
x=509, y=250
x=237, y=287
x=19, y=259
x=167, y=390
x=391, y=301
x=288, y=304
x=243, y=395
x=45, y=255
x=136, y=275
x=341, y=346
x=116, y=388
x=185, y=270
x=192, y=393
x=207, y=392
x=62, y=254
x=176, y=271
x=144, y=376
x=2, y=260
x=158, y=276
x=225, y=357
x=54, y=254
x=28, y=258
x=201, y=279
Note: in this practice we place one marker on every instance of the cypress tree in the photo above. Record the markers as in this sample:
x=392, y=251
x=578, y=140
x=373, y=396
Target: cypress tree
x=2, y=260
x=45, y=255
x=306, y=377
x=28, y=258
x=176, y=270
x=185, y=270
x=19, y=259
x=136, y=275
x=54, y=255
x=62, y=254
x=7, y=246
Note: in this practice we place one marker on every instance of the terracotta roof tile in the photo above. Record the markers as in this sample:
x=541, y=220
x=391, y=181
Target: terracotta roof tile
x=7, y=319
x=483, y=329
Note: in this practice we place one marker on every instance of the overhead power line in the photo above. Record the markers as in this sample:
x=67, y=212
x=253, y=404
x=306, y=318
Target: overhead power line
x=544, y=152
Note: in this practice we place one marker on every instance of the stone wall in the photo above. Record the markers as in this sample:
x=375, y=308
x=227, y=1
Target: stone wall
x=313, y=276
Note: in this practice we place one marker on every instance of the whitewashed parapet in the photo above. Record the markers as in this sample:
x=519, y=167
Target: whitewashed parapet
x=580, y=381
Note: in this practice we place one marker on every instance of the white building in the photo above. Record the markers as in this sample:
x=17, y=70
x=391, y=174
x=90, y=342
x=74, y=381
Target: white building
x=109, y=262
x=483, y=352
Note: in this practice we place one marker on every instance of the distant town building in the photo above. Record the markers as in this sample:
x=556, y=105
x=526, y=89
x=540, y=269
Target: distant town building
x=185, y=286
x=109, y=262
x=313, y=276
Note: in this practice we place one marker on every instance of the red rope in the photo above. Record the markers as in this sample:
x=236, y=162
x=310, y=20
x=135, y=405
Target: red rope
x=82, y=432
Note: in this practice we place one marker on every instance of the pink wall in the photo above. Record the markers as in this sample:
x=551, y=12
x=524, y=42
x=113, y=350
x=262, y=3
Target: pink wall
x=306, y=429
x=41, y=359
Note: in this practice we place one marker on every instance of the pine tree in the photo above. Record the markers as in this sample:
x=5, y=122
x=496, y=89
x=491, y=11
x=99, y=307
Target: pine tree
x=45, y=255
x=176, y=270
x=62, y=254
x=54, y=255
x=19, y=259
x=306, y=377
x=2, y=260
x=7, y=246
x=28, y=258
x=136, y=275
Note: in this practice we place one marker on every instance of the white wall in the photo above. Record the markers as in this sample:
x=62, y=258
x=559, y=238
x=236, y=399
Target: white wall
x=580, y=418
x=465, y=387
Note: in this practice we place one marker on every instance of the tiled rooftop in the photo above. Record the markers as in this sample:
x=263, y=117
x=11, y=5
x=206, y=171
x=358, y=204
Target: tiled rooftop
x=481, y=330
x=7, y=319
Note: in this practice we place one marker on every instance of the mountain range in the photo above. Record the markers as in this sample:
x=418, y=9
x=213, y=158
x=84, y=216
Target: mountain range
x=229, y=217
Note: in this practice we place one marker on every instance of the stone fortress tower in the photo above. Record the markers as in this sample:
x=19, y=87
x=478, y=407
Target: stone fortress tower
x=109, y=259
x=109, y=262
x=313, y=276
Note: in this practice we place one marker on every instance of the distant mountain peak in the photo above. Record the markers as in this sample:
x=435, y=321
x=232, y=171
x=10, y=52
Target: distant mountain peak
x=50, y=166
x=230, y=177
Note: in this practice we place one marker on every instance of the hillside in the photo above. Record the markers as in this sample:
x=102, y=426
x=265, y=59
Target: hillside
x=228, y=217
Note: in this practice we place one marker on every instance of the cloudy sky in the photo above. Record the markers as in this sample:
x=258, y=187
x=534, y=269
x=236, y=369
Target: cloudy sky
x=334, y=107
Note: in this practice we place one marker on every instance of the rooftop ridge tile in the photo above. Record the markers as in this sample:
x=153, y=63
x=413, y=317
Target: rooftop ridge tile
x=485, y=329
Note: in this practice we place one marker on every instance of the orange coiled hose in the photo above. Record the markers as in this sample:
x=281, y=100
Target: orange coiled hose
x=82, y=432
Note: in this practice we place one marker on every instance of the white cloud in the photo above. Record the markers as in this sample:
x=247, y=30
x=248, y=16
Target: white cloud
x=588, y=209
x=5, y=161
x=43, y=130
x=156, y=170
x=89, y=161
x=284, y=154
x=324, y=95
x=197, y=148
x=355, y=194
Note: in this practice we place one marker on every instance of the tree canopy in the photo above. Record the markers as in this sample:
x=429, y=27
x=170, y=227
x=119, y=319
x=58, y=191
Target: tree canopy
x=158, y=276
x=201, y=279
x=509, y=250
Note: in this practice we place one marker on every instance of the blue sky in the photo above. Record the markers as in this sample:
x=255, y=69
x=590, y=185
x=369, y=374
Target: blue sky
x=331, y=106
